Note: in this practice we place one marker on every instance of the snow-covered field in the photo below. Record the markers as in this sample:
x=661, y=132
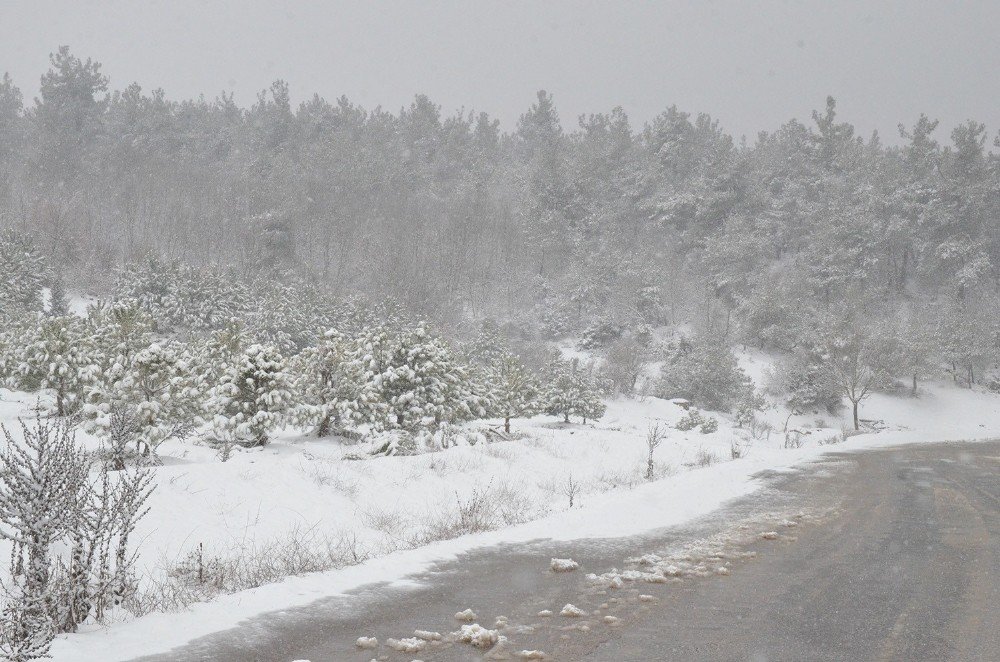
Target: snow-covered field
x=398, y=511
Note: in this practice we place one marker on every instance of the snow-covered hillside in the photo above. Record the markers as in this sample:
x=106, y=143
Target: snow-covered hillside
x=395, y=514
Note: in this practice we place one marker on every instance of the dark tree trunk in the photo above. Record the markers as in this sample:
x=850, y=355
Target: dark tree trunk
x=506, y=424
x=857, y=426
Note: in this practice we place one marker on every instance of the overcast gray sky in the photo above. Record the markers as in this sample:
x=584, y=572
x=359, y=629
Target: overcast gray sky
x=751, y=65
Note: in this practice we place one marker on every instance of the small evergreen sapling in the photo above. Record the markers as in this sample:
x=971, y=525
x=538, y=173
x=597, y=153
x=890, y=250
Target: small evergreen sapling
x=571, y=391
x=326, y=385
x=252, y=398
x=412, y=380
x=514, y=392
x=59, y=355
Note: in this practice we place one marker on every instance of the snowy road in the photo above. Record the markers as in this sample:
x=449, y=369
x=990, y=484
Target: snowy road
x=882, y=555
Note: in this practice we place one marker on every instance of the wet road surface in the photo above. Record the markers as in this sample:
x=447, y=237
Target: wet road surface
x=883, y=555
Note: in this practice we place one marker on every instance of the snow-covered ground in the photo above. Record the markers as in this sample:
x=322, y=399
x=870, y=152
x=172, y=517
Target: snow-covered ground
x=393, y=508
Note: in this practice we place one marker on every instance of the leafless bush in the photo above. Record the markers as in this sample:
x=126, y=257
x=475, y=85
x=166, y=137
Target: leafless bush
x=831, y=440
x=624, y=363
x=483, y=510
x=70, y=559
x=571, y=489
x=613, y=480
x=327, y=472
x=499, y=451
x=793, y=439
x=739, y=448
x=389, y=522
x=760, y=429
x=655, y=436
x=704, y=458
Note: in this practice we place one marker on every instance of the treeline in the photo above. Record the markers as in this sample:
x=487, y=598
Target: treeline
x=549, y=225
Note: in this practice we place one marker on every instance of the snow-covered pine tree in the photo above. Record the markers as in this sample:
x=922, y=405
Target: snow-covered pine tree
x=411, y=380
x=704, y=371
x=514, y=391
x=252, y=397
x=119, y=330
x=590, y=405
x=58, y=299
x=180, y=296
x=326, y=385
x=571, y=391
x=59, y=355
x=156, y=393
x=24, y=272
x=559, y=392
x=489, y=347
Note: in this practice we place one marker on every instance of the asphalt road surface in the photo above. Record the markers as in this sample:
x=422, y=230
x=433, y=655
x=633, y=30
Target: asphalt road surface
x=884, y=555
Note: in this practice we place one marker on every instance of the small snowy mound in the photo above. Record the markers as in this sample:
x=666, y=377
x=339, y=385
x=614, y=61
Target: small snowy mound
x=646, y=598
x=478, y=636
x=564, y=565
x=545, y=613
x=409, y=645
x=366, y=643
x=612, y=620
x=572, y=611
x=427, y=635
x=467, y=615
x=769, y=535
x=611, y=579
x=530, y=655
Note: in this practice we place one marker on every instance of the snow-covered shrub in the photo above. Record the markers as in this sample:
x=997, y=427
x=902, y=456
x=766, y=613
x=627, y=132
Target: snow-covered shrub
x=288, y=312
x=58, y=304
x=705, y=372
x=709, y=426
x=690, y=420
x=601, y=334
x=486, y=509
x=807, y=386
x=119, y=330
x=556, y=320
x=252, y=397
x=488, y=347
x=396, y=442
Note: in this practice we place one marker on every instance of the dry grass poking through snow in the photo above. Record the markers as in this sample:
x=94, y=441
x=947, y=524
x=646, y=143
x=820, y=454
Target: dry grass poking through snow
x=200, y=577
x=495, y=506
